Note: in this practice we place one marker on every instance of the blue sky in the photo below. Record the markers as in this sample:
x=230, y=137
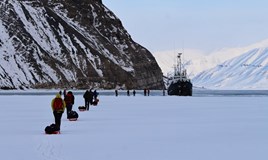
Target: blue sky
x=206, y=25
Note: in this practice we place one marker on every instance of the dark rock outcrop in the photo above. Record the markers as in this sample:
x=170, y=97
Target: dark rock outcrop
x=70, y=43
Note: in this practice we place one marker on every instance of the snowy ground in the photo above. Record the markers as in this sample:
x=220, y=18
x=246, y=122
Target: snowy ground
x=137, y=128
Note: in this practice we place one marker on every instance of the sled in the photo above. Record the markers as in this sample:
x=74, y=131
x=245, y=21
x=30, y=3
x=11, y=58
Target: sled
x=72, y=119
x=72, y=116
x=95, y=102
x=55, y=132
x=52, y=129
x=82, y=108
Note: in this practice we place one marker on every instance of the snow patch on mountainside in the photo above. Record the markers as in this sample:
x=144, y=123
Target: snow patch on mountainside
x=94, y=41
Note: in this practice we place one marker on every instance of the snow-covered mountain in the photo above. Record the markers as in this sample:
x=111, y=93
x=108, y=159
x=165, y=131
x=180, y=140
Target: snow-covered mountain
x=66, y=43
x=237, y=68
x=247, y=71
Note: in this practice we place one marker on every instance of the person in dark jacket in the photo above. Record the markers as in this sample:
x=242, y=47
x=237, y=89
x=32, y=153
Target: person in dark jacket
x=145, y=92
x=88, y=96
x=64, y=93
x=69, y=100
x=58, y=106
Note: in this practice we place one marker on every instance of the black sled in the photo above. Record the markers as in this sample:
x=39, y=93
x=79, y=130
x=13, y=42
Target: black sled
x=82, y=108
x=52, y=129
x=72, y=116
x=95, y=102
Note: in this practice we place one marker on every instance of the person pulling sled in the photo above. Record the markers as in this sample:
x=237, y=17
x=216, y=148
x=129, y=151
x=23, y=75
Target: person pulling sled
x=58, y=106
x=88, y=96
x=69, y=100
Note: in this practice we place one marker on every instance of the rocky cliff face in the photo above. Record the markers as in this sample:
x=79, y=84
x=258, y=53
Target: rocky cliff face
x=70, y=43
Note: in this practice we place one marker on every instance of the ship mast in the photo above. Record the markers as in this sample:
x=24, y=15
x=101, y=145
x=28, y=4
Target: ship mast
x=179, y=63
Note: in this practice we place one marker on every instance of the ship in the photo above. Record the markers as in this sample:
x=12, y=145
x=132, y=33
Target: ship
x=178, y=83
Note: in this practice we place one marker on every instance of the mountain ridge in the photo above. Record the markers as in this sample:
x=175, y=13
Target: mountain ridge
x=247, y=71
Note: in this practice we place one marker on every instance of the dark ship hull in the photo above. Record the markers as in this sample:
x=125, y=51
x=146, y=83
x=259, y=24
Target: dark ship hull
x=180, y=88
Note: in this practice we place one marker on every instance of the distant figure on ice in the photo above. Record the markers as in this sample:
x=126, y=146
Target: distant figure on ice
x=134, y=92
x=58, y=106
x=128, y=93
x=64, y=93
x=88, y=96
x=116, y=92
x=145, y=92
x=69, y=100
x=91, y=96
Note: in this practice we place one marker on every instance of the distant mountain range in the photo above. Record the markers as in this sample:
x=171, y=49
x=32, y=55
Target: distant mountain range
x=70, y=44
x=237, y=68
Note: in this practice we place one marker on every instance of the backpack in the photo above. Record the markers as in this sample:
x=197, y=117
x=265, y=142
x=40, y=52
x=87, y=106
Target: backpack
x=68, y=99
x=58, y=104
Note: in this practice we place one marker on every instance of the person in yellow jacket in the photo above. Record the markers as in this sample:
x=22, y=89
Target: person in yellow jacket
x=58, y=106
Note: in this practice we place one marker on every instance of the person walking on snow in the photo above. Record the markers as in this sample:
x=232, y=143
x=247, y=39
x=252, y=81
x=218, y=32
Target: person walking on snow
x=145, y=92
x=88, y=96
x=58, y=106
x=64, y=93
x=69, y=100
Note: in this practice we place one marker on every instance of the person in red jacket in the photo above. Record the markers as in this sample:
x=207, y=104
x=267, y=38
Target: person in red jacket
x=58, y=107
x=69, y=100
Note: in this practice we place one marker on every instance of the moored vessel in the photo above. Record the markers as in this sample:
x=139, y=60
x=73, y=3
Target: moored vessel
x=178, y=83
